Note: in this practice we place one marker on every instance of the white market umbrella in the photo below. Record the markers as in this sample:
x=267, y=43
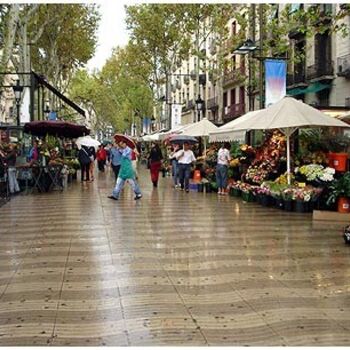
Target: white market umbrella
x=87, y=141
x=176, y=130
x=288, y=115
x=227, y=131
x=200, y=129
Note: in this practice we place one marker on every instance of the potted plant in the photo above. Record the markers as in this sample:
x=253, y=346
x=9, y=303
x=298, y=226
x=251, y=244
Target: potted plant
x=235, y=190
x=303, y=197
x=337, y=146
x=247, y=194
x=288, y=198
x=340, y=193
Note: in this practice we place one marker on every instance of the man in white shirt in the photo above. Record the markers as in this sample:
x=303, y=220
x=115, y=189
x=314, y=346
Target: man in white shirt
x=185, y=158
x=222, y=166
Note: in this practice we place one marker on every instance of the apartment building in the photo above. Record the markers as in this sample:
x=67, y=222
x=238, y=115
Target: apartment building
x=321, y=79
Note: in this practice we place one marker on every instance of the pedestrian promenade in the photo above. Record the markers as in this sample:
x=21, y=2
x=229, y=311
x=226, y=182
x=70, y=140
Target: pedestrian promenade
x=173, y=268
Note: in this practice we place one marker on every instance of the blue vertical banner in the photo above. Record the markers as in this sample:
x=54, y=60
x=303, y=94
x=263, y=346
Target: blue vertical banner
x=146, y=127
x=275, y=81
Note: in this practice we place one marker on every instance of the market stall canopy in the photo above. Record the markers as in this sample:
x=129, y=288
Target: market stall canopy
x=56, y=128
x=288, y=115
x=153, y=137
x=227, y=133
x=87, y=141
x=199, y=129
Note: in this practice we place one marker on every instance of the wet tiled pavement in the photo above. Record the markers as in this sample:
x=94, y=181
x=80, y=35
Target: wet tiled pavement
x=172, y=269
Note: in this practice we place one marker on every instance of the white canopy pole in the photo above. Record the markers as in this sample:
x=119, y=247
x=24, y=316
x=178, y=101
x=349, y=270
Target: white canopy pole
x=205, y=146
x=288, y=132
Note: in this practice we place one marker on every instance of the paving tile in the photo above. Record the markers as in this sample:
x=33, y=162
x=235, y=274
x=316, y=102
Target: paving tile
x=172, y=269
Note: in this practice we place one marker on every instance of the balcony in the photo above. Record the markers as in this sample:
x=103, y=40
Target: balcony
x=233, y=111
x=343, y=64
x=234, y=77
x=212, y=103
x=323, y=70
x=296, y=78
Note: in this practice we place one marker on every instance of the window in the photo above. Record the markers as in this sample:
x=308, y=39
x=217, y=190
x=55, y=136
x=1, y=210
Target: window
x=234, y=28
x=225, y=99
x=233, y=97
x=242, y=95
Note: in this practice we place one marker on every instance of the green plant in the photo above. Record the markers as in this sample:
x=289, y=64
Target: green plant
x=337, y=143
x=235, y=150
x=339, y=188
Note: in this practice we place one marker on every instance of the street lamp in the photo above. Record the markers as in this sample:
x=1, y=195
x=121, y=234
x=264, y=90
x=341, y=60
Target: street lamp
x=199, y=103
x=247, y=47
x=17, y=89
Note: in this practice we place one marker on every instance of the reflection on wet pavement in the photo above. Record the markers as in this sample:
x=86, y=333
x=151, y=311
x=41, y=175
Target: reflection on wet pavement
x=172, y=269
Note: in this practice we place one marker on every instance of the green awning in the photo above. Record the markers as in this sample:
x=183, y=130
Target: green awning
x=315, y=87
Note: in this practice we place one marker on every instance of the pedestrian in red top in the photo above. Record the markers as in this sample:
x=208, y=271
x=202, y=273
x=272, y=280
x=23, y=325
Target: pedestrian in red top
x=101, y=156
x=155, y=163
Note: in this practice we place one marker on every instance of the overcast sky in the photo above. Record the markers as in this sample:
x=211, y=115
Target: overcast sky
x=112, y=31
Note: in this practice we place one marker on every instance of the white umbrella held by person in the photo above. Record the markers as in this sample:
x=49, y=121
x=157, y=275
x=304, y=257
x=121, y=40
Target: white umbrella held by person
x=87, y=141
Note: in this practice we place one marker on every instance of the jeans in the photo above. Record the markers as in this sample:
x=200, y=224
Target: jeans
x=175, y=171
x=184, y=175
x=221, y=175
x=120, y=184
x=85, y=170
x=101, y=165
x=116, y=169
x=13, y=184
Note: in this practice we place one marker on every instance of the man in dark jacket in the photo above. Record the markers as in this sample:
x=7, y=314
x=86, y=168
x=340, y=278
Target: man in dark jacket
x=84, y=160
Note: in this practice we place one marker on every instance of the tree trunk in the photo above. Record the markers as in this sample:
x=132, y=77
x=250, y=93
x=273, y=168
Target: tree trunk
x=9, y=39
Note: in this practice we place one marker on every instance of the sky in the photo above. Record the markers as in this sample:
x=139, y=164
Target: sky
x=112, y=31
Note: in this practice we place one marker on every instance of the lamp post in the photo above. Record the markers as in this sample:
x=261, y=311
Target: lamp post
x=17, y=89
x=246, y=48
x=199, y=103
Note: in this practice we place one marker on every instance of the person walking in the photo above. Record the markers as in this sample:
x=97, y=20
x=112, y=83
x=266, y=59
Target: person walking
x=92, y=152
x=223, y=160
x=126, y=173
x=101, y=157
x=185, y=159
x=174, y=165
x=84, y=160
x=134, y=156
x=155, y=163
x=116, y=158
x=10, y=159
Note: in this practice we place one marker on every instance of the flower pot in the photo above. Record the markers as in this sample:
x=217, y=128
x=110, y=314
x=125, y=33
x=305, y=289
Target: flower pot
x=338, y=161
x=207, y=188
x=265, y=200
x=301, y=207
x=197, y=176
x=235, y=192
x=288, y=205
x=200, y=187
x=248, y=197
x=343, y=205
x=279, y=203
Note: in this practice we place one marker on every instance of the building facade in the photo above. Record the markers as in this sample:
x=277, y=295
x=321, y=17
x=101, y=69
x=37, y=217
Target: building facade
x=321, y=78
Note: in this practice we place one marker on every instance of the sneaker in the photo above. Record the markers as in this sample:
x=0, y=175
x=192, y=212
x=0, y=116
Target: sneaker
x=138, y=196
x=112, y=197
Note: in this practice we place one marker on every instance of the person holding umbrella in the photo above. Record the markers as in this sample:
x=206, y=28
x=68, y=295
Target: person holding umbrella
x=185, y=159
x=126, y=173
x=101, y=156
